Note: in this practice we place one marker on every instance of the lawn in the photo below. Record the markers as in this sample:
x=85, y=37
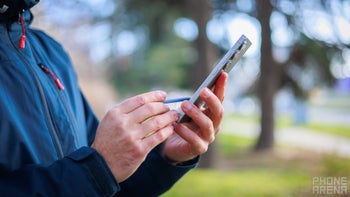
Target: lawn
x=246, y=182
x=241, y=172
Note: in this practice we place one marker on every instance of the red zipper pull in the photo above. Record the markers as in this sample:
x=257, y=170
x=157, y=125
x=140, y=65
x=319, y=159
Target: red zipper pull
x=55, y=78
x=22, y=40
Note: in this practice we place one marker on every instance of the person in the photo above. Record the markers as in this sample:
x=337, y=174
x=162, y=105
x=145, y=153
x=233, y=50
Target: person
x=52, y=143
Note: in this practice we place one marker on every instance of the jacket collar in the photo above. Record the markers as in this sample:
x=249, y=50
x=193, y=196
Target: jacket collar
x=11, y=9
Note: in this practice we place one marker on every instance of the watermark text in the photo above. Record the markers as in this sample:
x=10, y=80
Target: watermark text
x=330, y=185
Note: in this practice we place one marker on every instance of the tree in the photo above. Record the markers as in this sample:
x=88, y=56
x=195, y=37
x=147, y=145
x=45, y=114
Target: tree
x=269, y=76
x=305, y=53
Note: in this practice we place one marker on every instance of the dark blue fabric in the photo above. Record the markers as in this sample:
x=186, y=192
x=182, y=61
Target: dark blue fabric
x=83, y=173
x=154, y=177
x=45, y=133
x=10, y=9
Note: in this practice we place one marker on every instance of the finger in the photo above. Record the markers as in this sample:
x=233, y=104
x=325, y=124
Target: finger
x=220, y=85
x=204, y=123
x=148, y=110
x=157, y=123
x=158, y=137
x=198, y=146
x=135, y=102
x=214, y=106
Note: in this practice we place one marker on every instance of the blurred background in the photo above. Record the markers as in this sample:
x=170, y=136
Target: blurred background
x=287, y=101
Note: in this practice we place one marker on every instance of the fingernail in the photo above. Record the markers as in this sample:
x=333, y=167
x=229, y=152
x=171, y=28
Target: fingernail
x=162, y=94
x=206, y=93
x=175, y=113
x=187, y=105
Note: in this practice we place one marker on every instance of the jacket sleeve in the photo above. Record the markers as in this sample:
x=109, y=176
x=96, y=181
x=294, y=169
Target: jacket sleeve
x=82, y=173
x=90, y=119
x=154, y=177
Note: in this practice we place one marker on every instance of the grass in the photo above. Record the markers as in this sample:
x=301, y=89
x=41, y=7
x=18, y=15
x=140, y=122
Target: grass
x=233, y=145
x=338, y=130
x=282, y=173
x=248, y=182
x=285, y=172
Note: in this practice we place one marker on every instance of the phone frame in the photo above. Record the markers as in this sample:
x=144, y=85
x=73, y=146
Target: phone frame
x=226, y=64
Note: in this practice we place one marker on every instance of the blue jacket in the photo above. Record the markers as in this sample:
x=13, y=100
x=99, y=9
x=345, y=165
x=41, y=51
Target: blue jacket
x=46, y=126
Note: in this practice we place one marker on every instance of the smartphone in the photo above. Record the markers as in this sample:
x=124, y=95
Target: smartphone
x=226, y=64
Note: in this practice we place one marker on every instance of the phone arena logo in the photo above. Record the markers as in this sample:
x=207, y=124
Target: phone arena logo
x=330, y=185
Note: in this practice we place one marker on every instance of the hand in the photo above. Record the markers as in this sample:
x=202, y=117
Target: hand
x=130, y=130
x=193, y=138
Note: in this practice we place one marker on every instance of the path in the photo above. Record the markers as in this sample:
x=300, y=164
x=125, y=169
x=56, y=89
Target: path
x=295, y=136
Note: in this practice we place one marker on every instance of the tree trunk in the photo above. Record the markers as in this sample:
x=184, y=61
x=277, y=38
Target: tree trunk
x=207, y=54
x=268, y=79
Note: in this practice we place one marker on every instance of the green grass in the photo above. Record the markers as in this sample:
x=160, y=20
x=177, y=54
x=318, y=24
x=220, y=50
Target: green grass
x=248, y=182
x=285, y=172
x=339, y=130
x=248, y=174
x=232, y=145
x=261, y=175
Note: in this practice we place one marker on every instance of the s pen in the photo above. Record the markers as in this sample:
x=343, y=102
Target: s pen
x=175, y=100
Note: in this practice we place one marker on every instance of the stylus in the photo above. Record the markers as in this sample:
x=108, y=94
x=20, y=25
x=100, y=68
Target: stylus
x=175, y=100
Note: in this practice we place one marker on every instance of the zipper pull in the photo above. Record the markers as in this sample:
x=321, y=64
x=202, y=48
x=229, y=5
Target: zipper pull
x=22, y=40
x=55, y=78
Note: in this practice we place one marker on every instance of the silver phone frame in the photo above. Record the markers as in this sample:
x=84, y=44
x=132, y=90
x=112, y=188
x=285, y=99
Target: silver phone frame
x=226, y=64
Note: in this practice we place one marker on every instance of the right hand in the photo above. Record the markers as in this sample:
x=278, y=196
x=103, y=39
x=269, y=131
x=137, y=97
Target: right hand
x=125, y=135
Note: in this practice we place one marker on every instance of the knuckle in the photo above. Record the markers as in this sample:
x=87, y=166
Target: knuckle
x=150, y=108
x=158, y=123
x=120, y=121
x=202, y=149
x=137, y=151
x=160, y=136
x=208, y=125
x=140, y=100
x=199, y=148
x=211, y=138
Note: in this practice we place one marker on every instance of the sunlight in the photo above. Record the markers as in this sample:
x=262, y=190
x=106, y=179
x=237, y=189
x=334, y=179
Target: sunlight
x=126, y=43
x=343, y=29
x=318, y=25
x=227, y=28
x=186, y=28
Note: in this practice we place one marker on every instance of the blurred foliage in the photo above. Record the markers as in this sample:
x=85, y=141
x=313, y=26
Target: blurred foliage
x=164, y=60
x=308, y=55
x=165, y=63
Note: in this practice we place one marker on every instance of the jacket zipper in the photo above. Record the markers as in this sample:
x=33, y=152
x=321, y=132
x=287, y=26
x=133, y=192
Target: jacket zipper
x=43, y=101
x=54, y=77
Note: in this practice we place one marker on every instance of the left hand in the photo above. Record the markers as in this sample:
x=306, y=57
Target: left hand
x=193, y=138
